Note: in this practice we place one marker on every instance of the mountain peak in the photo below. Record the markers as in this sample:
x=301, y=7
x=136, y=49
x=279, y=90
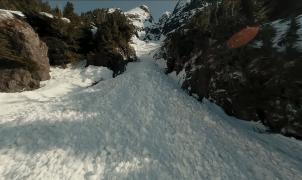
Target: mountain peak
x=145, y=8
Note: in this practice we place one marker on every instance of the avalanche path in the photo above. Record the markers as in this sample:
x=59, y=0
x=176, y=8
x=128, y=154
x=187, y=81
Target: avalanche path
x=139, y=125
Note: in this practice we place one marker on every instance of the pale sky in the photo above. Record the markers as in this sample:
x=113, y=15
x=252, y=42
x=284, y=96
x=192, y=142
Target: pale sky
x=157, y=7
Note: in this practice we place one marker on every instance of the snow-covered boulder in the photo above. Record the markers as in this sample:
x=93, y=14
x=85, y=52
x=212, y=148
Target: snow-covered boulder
x=23, y=56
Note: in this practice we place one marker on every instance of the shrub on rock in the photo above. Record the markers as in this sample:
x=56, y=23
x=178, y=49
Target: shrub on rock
x=111, y=41
x=61, y=37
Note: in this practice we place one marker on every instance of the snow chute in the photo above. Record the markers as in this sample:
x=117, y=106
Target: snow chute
x=243, y=37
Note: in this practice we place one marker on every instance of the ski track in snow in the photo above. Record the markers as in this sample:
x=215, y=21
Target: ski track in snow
x=139, y=125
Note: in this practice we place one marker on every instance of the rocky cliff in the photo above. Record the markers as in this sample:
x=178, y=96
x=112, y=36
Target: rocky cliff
x=260, y=81
x=23, y=56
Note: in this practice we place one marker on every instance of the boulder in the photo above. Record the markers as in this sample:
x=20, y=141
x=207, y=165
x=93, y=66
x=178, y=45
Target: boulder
x=23, y=56
x=60, y=35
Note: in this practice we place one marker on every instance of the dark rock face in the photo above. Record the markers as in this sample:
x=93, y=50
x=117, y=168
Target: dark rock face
x=282, y=9
x=261, y=81
x=23, y=56
x=61, y=37
x=182, y=12
x=155, y=31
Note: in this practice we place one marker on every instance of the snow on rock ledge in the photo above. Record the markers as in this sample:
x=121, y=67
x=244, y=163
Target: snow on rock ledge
x=52, y=16
x=8, y=14
x=47, y=14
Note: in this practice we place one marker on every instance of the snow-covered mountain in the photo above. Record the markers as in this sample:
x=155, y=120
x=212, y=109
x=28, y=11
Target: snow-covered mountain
x=85, y=124
x=139, y=125
x=141, y=18
x=155, y=32
x=183, y=11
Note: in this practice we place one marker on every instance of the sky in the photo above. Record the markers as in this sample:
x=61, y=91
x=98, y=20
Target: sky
x=157, y=7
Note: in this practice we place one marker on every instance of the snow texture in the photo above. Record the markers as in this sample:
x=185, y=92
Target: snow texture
x=112, y=10
x=52, y=16
x=47, y=14
x=139, y=125
x=8, y=14
x=66, y=19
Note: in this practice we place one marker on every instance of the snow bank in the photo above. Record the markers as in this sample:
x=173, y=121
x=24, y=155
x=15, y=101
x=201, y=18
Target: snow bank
x=62, y=82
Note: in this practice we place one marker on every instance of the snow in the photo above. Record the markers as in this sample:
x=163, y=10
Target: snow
x=52, y=16
x=139, y=125
x=182, y=13
x=66, y=20
x=298, y=45
x=94, y=30
x=179, y=77
x=9, y=14
x=62, y=82
x=140, y=19
x=112, y=10
x=47, y=14
x=281, y=27
x=181, y=4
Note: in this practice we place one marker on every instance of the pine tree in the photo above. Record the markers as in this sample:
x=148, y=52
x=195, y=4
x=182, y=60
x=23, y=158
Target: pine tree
x=57, y=12
x=68, y=11
x=291, y=36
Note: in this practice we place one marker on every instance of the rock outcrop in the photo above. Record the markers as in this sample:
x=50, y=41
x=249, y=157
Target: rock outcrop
x=182, y=13
x=155, y=32
x=23, y=56
x=61, y=36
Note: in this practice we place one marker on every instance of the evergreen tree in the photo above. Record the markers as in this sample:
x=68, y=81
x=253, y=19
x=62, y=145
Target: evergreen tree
x=57, y=12
x=291, y=36
x=68, y=11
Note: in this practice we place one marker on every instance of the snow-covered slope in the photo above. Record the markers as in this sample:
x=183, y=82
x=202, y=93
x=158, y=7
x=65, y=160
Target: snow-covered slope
x=139, y=125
